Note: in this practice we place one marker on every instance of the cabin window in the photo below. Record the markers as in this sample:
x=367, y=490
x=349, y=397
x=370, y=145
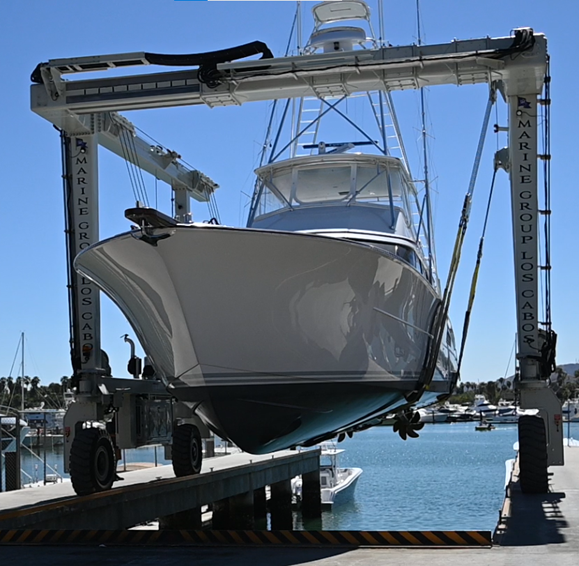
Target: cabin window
x=372, y=184
x=450, y=338
x=323, y=184
x=276, y=194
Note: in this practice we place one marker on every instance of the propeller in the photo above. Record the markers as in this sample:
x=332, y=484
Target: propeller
x=342, y=435
x=407, y=424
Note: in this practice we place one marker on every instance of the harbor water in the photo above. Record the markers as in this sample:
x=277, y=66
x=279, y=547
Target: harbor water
x=451, y=478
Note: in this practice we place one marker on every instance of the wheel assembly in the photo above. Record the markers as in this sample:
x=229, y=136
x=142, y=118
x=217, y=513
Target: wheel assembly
x=187, y=450
x=533, y=460
x=93, y=464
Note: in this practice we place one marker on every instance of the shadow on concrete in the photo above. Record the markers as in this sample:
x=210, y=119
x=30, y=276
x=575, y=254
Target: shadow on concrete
x=535, y=519
x=171, y=556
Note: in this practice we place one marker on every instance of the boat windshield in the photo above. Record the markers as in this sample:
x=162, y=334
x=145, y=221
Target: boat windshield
x=333, y=181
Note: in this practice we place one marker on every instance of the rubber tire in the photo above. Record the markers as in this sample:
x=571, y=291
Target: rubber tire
x=533, y=458
x=187, y=450
x=92, y=463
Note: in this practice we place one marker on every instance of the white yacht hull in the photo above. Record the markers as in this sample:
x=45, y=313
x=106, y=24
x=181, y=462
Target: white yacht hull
x=278, y=338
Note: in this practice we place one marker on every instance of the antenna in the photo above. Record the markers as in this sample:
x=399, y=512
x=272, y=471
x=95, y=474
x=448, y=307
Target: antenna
x=299, y=28
x=425, y=156
x=381, y=39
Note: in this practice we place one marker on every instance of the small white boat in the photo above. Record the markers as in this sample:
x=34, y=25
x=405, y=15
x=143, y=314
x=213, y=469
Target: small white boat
x=337, y=484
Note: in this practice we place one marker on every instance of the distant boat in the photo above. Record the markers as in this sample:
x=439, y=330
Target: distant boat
x=508, y=414
x=486, y=426
x=337, y=484
x=482, y=407
x=432, y=416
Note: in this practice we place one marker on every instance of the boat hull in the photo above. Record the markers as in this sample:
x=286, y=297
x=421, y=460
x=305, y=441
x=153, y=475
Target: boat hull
x=343, y=492
x=277, y=338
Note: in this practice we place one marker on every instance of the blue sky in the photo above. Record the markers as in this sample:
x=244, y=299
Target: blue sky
x=224, y=144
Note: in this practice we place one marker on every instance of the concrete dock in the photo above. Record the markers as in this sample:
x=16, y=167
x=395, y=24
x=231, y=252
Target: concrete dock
x=152, y=493
x=541, y=529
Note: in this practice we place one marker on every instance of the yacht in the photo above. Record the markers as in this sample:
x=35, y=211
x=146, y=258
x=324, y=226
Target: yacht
x=433, y=416
x=483, y=408
x=323, y=313
x=337, y=484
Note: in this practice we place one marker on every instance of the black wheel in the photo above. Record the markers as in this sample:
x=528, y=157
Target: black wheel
x=92, y=463
x=187, y=450
x=533, y=475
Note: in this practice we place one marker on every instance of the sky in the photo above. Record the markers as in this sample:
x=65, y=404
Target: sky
x=224, y=144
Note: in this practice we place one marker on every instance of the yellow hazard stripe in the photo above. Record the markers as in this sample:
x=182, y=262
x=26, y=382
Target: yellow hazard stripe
x=290, y=536
x=235, y=536
x=220, y=536
x=246, y=537
x=38, y=538
x=433, y=538
x=8, y=536
x=329, y=537
x=271, y=537
x=390, y=539
x=253, y=537
x=310, y=537
x=349, y=537
x=410, y=538
x=479, y=538
x=455, y=537
x=23, y=536
x=369, y=538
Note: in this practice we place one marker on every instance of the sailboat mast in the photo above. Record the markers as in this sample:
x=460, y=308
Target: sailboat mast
x=425, y=157
x=22, y=379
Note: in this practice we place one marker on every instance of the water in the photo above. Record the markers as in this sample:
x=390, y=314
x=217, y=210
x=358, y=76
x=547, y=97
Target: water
x=451, y=478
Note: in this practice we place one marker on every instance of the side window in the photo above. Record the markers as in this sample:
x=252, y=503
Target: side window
x=450, y=338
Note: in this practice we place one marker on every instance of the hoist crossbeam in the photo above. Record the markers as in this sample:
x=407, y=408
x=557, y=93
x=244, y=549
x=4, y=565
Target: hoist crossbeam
x=327, y=74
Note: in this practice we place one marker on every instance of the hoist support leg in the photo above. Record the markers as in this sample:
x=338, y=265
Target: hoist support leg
x=544, y=399
x=541, y=436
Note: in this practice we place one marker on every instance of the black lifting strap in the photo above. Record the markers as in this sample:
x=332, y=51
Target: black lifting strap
x=439, y=323
x=474, y=281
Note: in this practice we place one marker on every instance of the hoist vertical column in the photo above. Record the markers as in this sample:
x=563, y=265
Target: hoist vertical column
x=80, y=175
x=525, y=207
x=81, y=195
x=533, y=386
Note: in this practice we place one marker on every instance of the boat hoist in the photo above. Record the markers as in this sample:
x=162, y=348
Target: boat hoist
x=112, y=413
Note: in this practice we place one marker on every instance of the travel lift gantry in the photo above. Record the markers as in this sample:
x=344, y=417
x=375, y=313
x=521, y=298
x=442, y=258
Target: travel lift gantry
x=85, y=110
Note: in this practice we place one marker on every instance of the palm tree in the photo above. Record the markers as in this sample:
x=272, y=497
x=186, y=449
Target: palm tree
x=34, y=389
x=501, y=387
